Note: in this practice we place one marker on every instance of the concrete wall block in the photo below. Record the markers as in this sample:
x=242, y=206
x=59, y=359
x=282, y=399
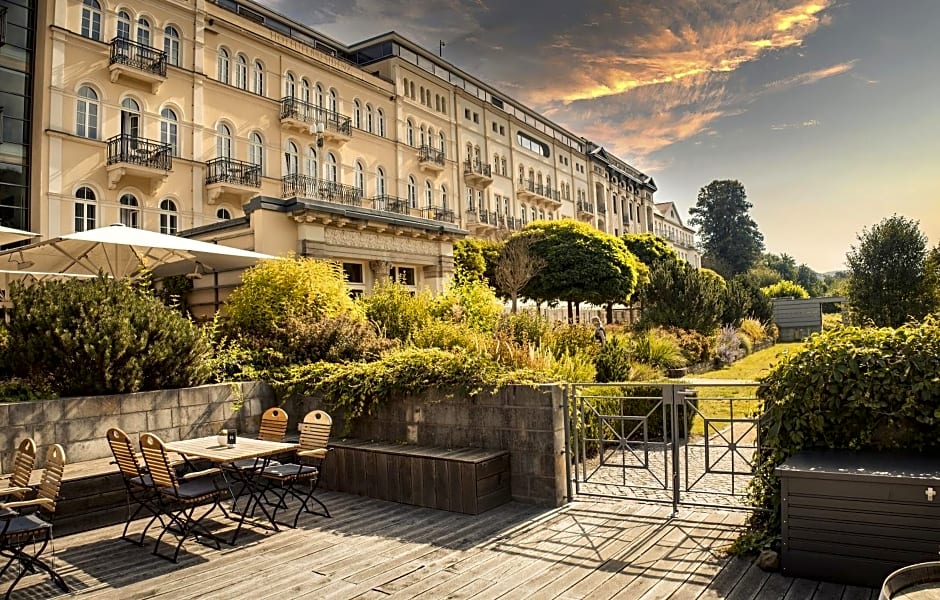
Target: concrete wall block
x=486, y=399
x=207, y=394
x=91, y=406
x=170, y=434
x=147, y=401
x=86, y=450
x=161, y=419
x=540, y=396
x=24, y=413
x=52, y=410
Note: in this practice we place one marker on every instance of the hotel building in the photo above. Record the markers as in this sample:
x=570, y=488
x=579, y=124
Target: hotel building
x=241, y=126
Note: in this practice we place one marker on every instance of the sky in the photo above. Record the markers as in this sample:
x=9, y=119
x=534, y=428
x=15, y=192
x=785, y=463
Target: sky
x=827, y=111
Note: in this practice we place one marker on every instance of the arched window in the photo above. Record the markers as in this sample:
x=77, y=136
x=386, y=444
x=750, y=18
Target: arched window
x=86, y=113
x=223, y=141
x=334, y=101
x=91, y=20
x=409, y=133
x=523, y=213
x=404, y=85
x=305, y=91
x=548, y=182
x=541, y=214
x=444, y=200
x=258, y=78
x=360, y=178
x=470, y=201
x=428, y=194
x=130, y=211
x=223, y=66
x=311, y=163
x=332, y=172
x=496, y=161
x=123, y=31
x=290, y=87
x=442, y=143
x=534, y=215
x=469, y=152
x=521, y=174
x=424, y=138
x=380, y=182
x=381, y=122
x=143, y=32
x=169, y=219
x=171, y=45
x=369, y=119
x=241, y=72
x=130, y=118
x=169, y=130
x=318, y=96
x=412, y=193
x=85, y=208
x=421, y=93
x=223, y=213
x=291, y=159
x=256, y=150
x=503, y=165
x=411, y=89
x=357, y=114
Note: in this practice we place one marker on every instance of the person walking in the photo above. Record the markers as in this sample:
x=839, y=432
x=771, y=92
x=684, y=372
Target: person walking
x=600, y=335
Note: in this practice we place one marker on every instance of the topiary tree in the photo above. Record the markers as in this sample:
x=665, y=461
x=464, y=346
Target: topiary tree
x=888, y=278
x=785, y=289
x=581, y=264
x=679, y=295
x=476, y=259
x=650, y=249
x=102, y=336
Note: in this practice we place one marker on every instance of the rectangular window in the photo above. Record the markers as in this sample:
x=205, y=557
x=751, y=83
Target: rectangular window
x=353, y=272
x=403, y=275
x=466, y=113
x=476, y=117
x=502, y=130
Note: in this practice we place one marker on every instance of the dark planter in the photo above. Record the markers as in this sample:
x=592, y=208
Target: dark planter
x=676, y=373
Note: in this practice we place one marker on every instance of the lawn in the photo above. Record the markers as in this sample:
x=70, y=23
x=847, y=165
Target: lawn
x=720, y=403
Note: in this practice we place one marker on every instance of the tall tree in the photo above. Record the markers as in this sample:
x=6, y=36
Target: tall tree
x=730, y=238
x=810, y=280
x=475, y=260
x=679, y=295
x=783, y=264
x=581, y=264
x=889, y=281
x=517, y=265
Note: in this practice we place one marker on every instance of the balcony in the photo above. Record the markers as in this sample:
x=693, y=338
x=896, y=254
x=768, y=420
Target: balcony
x=233, y=178
x=602, y=209
x=477, y=174
x=431, y=160
x=134, y=157
x=137, y=64
x=531, y=191
x=585, y=210
x=315, y=120
x=304, y=186
x=438, y=213
x=481, y=220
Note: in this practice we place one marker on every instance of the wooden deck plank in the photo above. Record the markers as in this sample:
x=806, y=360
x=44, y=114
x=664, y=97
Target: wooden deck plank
x=801, y=589
x=748, y=587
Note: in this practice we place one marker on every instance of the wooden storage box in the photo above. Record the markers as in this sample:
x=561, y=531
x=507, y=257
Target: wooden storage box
x=467, y=480
x=855, y=517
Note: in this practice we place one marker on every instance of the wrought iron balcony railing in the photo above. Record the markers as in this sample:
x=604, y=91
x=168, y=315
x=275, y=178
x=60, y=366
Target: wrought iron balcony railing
x=392, y=204
x=139, y=151
x=304, y=186
x=540, y=189
x=429, y=154
x=438, y=213
x=229, y=170
x=138, y=56
x=477, y=167
x=585, y=207
x=601, y=209
x=295, y=108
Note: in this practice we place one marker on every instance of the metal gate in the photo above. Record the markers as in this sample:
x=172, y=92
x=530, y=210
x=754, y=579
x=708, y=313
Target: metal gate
x=691, y=443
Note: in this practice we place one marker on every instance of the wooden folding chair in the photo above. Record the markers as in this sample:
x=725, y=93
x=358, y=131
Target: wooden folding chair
x=273, y=429
x=139, y=488
x=19, y=531
x=282, y=479
x=179, y=499
x=24, y=461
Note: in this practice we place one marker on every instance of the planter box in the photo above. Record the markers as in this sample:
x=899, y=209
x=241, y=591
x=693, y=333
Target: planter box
x=855, y=517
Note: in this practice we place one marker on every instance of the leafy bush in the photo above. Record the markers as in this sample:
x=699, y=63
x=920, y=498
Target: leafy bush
x=695, y=347
x=101, y=336
x=849, y=388
x=658, y=350
x=753, y=329
x=525, y=327
x=447, y=335
x=785, y=289
x=744, y=298
x=613, y=362
x=472, y=303
x=275, y=291
x=729, y=346
x=395, y=311
x=572, y=338
x=475, y=260
x=678, y=295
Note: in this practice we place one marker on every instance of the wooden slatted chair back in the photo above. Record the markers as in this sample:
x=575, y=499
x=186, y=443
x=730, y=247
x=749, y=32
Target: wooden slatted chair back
x=158, y=464
x=24, y=461
x=51, y=481
x=273, y=425
x=123, y=452
x=315, y=430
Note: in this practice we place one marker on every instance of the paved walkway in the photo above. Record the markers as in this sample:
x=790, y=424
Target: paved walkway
x=374, y=549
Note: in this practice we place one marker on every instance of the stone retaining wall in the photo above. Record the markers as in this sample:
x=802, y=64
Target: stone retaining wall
x=80, y=424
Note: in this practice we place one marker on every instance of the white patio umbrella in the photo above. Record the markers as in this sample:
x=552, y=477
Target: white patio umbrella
x=119, y=251
x=8, y=235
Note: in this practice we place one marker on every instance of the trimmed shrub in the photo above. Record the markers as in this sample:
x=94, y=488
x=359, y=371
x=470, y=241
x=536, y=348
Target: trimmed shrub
x=395, y=311
x=849, y=388
x=102, y=336
x=785, y=289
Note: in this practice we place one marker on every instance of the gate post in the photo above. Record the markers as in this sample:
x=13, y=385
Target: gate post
x=566, y=396
x=673, y=398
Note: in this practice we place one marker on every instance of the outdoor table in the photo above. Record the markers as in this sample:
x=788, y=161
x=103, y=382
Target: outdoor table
x=226, y=457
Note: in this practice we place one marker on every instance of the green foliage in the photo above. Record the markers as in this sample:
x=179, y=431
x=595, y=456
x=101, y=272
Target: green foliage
x=810, y=281
x=525, y=327
x=658, y=350
x=783, y=265
x=472, y=303
x=475, y=260
x=888, y=277
x=274, y=292
x=754, y=330
x=581, y=264
x=730, y=237
x=743, y=299
x=572, y=338
x=729, y=346
x=849, y=388
x=650, y=249
x=785, y=289
x=679, y=295
x=395, y=311
x=696, y=348
x=101, y=336
x=614, y=361
x=762, y=276
x=172, y=291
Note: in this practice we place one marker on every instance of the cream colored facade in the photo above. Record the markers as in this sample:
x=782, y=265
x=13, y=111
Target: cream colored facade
x=229, y=120
x=668, y=225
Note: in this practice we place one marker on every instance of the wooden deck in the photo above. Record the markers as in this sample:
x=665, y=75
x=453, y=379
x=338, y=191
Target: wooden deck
x=375, y=549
